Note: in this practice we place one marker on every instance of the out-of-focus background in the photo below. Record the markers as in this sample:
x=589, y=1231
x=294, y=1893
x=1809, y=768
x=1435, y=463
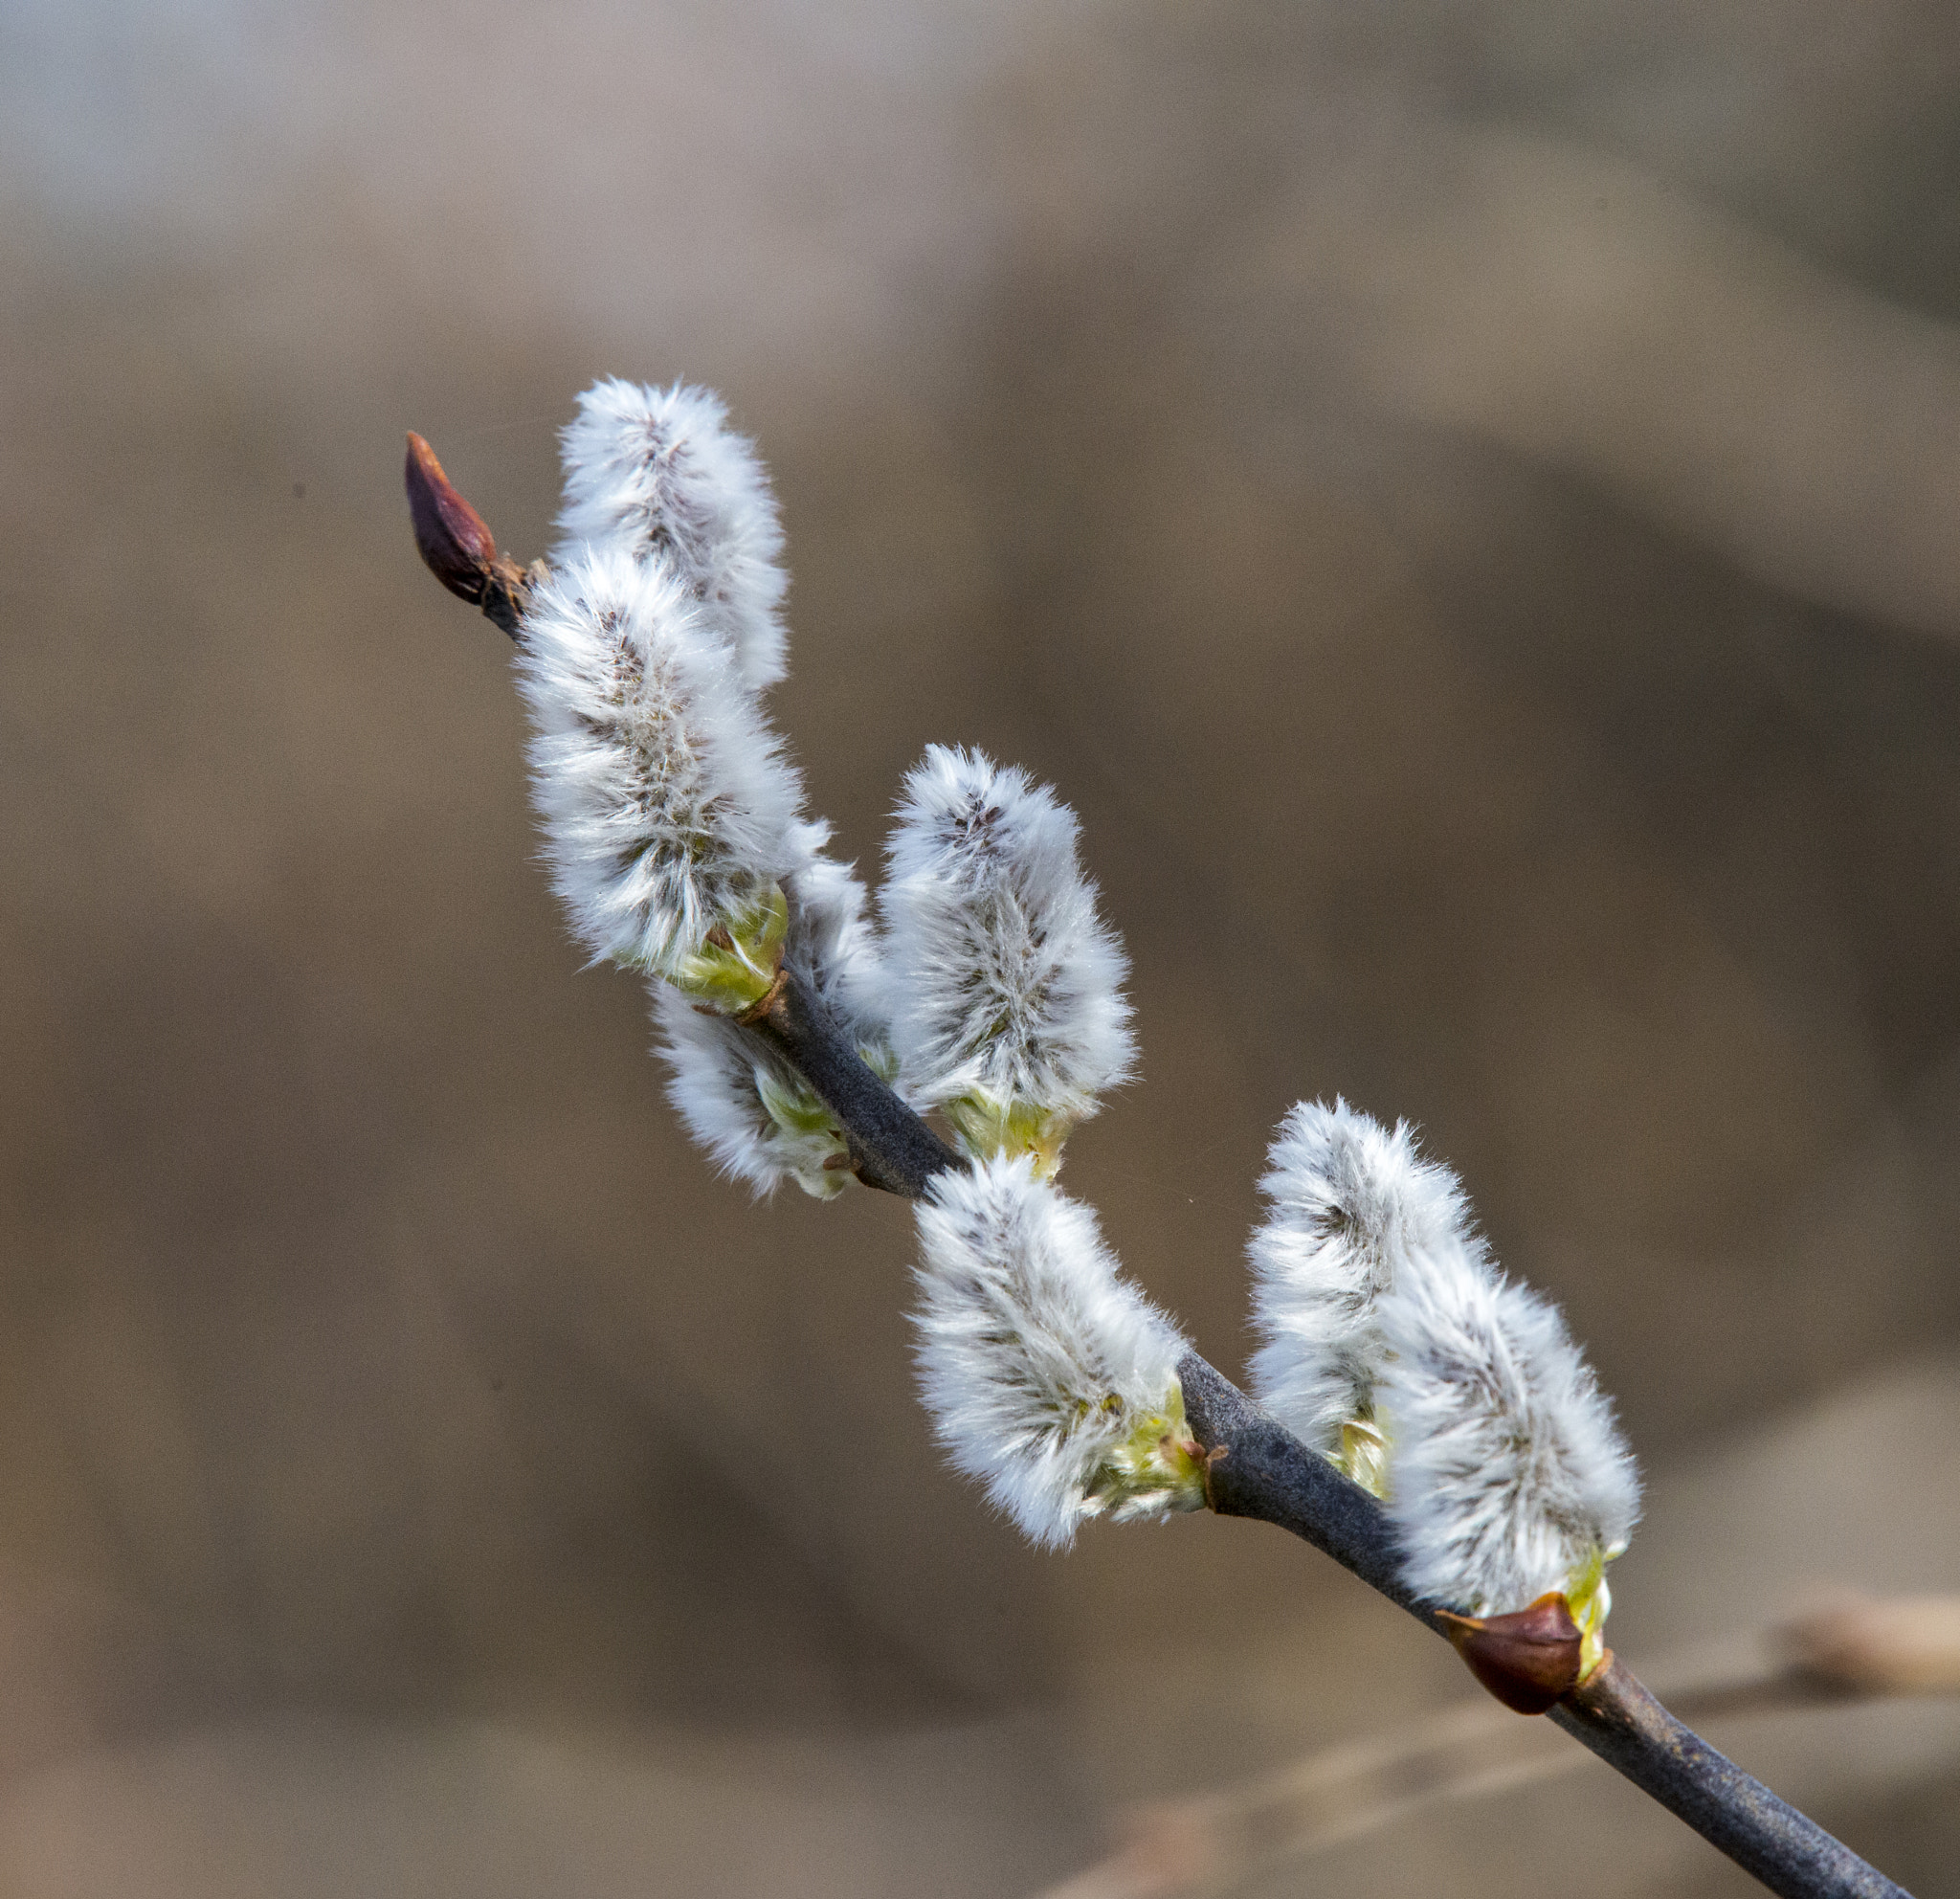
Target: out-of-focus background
x=1462, y=498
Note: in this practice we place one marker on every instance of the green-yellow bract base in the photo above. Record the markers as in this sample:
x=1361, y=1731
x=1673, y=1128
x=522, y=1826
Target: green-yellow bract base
x=1589, y=1599
x=1158, y=1467
x=736, y=966
x=1363, y=1456
x=808, y=1127
x=988, y=1128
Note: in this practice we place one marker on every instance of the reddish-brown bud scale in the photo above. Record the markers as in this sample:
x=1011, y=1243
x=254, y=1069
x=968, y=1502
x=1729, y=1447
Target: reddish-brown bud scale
x=1529, y=1658
x=453, y=540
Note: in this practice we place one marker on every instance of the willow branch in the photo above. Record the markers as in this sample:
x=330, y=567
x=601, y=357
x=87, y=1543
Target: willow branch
x=890, y=1146
x=1255, y=1467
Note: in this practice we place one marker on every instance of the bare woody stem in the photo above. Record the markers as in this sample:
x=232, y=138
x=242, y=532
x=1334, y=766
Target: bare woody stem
x=1255, y=1466
x=1617, y=1717
x=890, y=1146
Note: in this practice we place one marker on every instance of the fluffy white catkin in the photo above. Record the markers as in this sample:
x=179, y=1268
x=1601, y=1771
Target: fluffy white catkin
x=1508, y=1477
x=1351, y=1202
x=1505, y=1473
x=659, y=474
x=665, y=799
x=1048, y=1378
x=1006, y=984
x=834, y=945
x=758, y=1120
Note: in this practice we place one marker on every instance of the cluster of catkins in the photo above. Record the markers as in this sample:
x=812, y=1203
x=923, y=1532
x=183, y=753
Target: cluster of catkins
x=987, y=990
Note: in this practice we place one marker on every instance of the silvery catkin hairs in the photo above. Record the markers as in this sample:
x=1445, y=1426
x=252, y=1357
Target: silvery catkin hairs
x=665, y=797
x=1351, y=1202
x=674, y=826
x=1005, y=983
x=659, y=474
x=1508, y=1476
x=1048, y=1375
x=1387, y=1329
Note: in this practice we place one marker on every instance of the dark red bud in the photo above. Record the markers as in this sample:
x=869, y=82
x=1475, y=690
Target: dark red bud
x=1527, y=1659
x=453, y=539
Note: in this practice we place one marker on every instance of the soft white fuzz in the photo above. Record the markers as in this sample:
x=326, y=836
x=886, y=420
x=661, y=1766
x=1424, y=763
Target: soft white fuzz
x=1048, y=1378
x=757, y=1120
x=1006, y=984
x=660, y=474
x=665, y=799
x=834, y=946
x=1508, y=1477
x=1351, y=1203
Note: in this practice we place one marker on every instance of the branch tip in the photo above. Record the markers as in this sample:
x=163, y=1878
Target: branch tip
x=455, y=543
x=453, y=540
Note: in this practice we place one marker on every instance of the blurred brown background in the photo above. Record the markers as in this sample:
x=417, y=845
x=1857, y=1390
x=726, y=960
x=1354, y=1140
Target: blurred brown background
x=1463, y=499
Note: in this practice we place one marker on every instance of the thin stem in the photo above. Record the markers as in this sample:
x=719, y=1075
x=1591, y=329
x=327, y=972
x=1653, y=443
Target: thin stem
x=1614, y=1715
x=890, y=1146
x=1258, y=1468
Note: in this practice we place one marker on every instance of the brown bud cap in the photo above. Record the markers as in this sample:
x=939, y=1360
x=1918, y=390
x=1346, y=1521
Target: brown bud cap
x=453, y=539
x=1527, y=1659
